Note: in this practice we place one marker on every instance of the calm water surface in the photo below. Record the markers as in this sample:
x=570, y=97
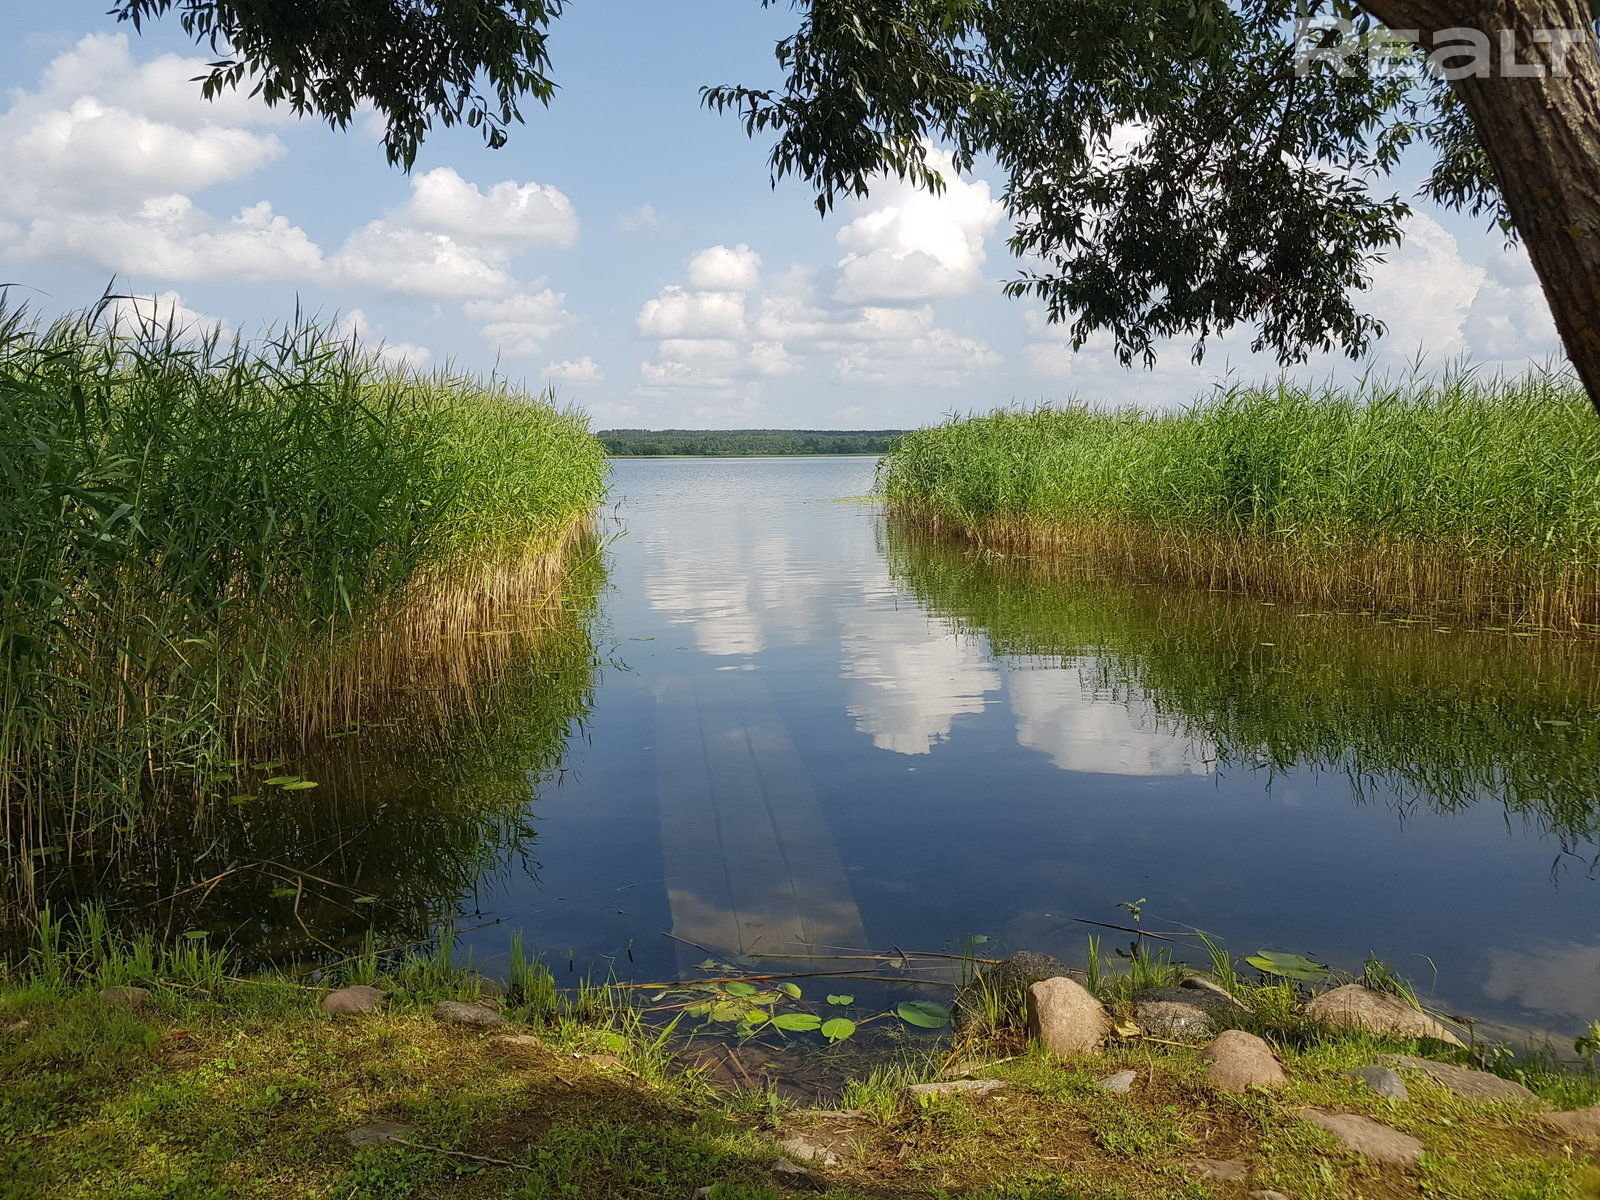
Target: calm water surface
x=816, y=730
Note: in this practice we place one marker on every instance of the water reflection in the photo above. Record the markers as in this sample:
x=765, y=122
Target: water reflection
x=1417, y=716
x=411, y=816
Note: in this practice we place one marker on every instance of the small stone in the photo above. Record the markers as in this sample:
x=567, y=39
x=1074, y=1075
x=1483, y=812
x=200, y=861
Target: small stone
x=957, y=1087
x=472, y=1016
x=1366, y=1137
x=1383, y=1080
x=352, y=1000
x=1463, y=1081
x=1121, y=1082
x=1183, y=1013
x=1228, y=1170
x=1382, y=1014
x=808, y=1150
x=1239, y=1061
x=793, y=1171
x=1267, y=1195
x=522, y=1041
x=377, y=1133
x=1581, y=1126
x=1065, y=1017
x=126, y=997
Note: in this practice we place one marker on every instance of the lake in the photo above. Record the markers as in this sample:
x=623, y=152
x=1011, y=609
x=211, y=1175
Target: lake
x=788, y=725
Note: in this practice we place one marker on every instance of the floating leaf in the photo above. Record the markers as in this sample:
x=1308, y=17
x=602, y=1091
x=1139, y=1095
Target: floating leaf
x=838, y=1029
x=710, y=964
x=281, y=780
x=923, y=1013
x=753, y=1017
x=791, y=990
x=841, y=1000
x=728, y=1010
x=739, y=988
x=280, y=893
x=365, y=900
x=797, y=1022
x=1290, y=966
x=194, y=935
x=300, y=785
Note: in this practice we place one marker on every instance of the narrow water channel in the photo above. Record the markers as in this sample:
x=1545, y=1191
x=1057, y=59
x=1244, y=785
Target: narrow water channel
x=816, y=730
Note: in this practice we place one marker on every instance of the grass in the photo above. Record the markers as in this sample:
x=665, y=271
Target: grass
x=211, y=549
x=1471, y=494
x=220, y=1085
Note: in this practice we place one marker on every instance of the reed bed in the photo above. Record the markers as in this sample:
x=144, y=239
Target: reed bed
x=208, y=547
x=1468, y=494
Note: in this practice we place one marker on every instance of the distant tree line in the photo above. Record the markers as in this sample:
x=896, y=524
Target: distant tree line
x=731, y=442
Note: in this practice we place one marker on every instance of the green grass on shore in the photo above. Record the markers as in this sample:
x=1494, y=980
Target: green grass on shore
x=1474, y=492
x=211, y=547
x=215, y=1086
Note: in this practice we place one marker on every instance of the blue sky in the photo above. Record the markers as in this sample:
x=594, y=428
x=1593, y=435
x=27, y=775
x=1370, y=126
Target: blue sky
x=625, y=247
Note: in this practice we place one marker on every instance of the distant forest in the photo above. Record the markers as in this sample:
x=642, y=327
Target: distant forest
x=715, y=442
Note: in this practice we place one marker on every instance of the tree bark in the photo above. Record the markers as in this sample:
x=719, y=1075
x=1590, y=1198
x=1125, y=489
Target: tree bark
x=1542, y=136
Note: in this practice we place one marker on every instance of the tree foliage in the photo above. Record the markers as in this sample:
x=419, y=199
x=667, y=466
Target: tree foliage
x=457, y=62
x=1169, y=170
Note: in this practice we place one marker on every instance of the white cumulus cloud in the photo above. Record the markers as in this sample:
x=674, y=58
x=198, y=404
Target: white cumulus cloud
x=725, y=269
x=520, y=324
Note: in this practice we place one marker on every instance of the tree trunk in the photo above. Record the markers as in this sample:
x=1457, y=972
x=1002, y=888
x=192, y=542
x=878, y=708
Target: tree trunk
x=1542, y=136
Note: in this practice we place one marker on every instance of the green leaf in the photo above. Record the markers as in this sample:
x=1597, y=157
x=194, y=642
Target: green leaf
x=842, y=999
x=300, y=786
x=753, y=1017
x=729, y=1010
x=194, y=935
x=1290, y=966
x=280, y=893
x=790, y=989
x=739, y=988
x=923, y=1013
x=281, y=780
x=365, y=900
x=797, y=1022
x=838, y=1029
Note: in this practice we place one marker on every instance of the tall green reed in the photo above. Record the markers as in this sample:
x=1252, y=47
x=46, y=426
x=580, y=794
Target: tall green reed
x=1471, y=490
x=205, y=543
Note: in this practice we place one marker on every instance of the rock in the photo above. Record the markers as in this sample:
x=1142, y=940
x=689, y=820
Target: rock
x=1267, y=1195
x=957, y=1087
x=791, y=1171
x=1065, y=1018
x=1463, y=1081
x=126, y=997
x=1383, y=1080
x=809, y=1150
x=1366, y=1137
x=1121, y=1082
x=1204, y=983
x=1239, y=1061
x=1581, y=1126
x=472, y=1016
x=482, y=987
x=377, y=1133
x=1182, y=1013
x=1008, y=980
x=349, y=1001
x=1382, y=1014
x=1228, y=1170
x=522, y=1041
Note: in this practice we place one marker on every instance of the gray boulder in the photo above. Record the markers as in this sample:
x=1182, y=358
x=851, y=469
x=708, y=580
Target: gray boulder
x=1121, y=1083
x=1007, y=981
x=470, y=1016
x=1184, y=1013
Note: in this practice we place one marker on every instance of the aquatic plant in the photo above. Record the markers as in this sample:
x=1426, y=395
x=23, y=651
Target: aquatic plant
x=1471, y=493
x=212, y=547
